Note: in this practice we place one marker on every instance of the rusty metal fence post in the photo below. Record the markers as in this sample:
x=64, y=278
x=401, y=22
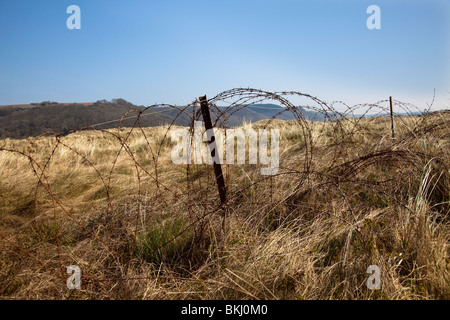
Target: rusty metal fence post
x=391, y=104
x=210, y=134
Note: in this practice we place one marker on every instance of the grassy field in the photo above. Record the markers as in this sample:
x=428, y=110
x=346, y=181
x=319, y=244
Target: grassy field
x=346, y=196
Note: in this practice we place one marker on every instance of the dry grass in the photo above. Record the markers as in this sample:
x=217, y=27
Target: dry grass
x=140, y=227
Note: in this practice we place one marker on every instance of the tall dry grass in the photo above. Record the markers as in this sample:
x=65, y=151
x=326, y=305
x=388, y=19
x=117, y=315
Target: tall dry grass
x=140, y=227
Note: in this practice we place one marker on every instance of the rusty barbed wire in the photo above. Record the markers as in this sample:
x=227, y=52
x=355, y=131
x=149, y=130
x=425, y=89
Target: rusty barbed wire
x=337, y=119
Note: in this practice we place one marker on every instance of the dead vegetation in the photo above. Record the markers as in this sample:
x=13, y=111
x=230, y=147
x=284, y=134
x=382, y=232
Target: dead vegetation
x=346, y=196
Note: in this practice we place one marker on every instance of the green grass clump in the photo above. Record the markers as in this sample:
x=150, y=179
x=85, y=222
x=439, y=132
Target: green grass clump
x=164, y=242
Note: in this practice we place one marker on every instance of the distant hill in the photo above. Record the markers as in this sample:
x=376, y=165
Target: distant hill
x=21, y=121
x=271, y=110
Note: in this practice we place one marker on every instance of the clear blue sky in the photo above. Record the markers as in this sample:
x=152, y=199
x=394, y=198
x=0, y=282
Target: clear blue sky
x=153, y=51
